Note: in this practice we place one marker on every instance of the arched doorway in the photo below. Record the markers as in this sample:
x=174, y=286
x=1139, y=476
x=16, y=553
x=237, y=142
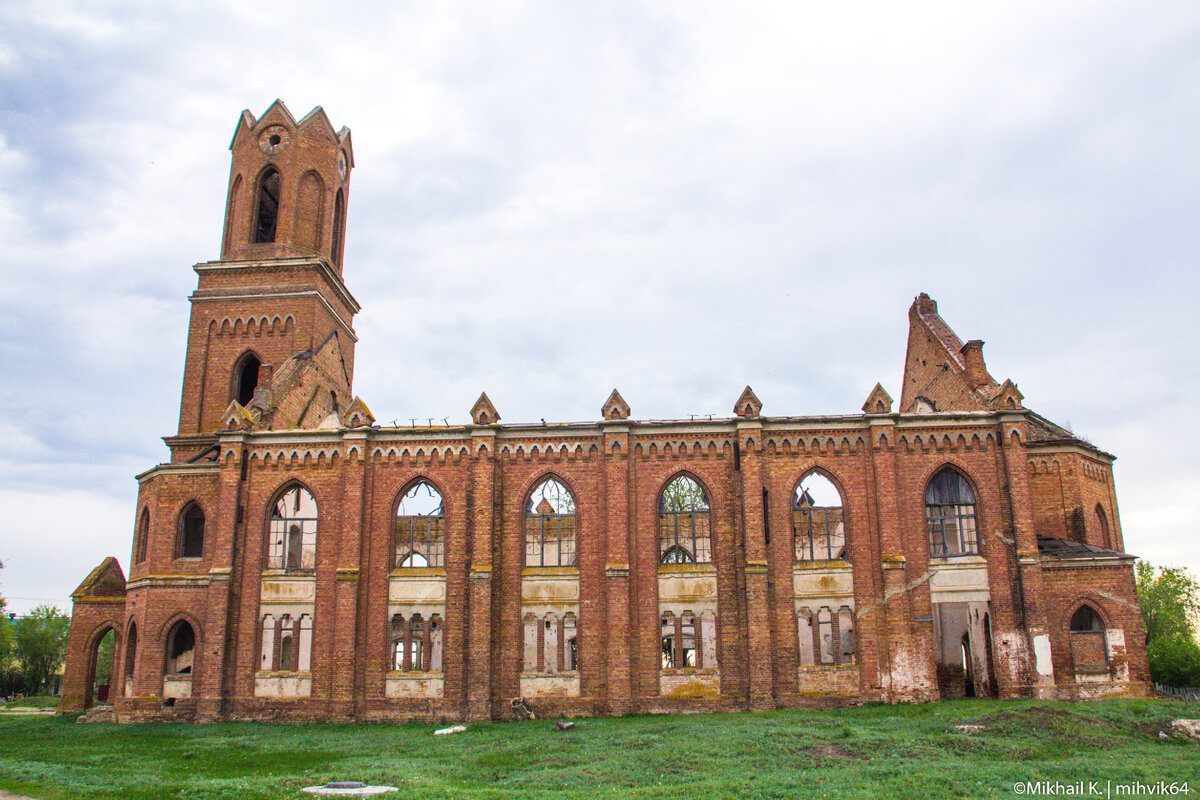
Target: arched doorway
x=100, y=667
x=180, y=657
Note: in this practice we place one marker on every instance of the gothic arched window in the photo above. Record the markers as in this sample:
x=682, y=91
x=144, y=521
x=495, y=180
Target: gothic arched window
x=1089, y=645
x=181, y=649
x=191, y=532
x=683, y=523
x=950, y=515
x=267, y=208
x=420, y=536
x=818, y=519
x=292, y=541
x=141, y=536
x=339, y=223
x=550, y=526
x=247, y=379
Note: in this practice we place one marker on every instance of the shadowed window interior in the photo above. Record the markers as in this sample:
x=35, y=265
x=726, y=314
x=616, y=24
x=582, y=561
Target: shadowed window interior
x=191, y=532
x=181, y=648
x=247, y=379
x=683, y=523
x=550, y=526
x=950, y=515
x=267, y=215
x=818, y=520
x=420, y=519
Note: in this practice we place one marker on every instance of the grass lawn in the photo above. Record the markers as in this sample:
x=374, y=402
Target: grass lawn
x=37, y=701
x=877, y=751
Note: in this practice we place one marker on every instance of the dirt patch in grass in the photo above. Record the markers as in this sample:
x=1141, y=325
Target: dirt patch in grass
x=831, y=751
x=1155, y=728
x=1045, y=717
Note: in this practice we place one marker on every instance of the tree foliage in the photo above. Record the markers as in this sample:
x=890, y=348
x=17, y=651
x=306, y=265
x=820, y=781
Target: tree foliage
x=40, y=644
x=6, y=644
x=1170, y=600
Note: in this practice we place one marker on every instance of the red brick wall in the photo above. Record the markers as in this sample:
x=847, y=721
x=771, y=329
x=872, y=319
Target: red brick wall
x=616, y=491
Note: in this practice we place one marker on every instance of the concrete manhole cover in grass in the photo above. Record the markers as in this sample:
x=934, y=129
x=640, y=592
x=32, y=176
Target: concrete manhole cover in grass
x=349, y=789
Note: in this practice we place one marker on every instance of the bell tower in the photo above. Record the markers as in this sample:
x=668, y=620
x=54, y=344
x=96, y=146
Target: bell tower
x=275, y=299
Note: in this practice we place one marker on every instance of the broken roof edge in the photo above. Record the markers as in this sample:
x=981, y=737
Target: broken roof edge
x=1061, y=549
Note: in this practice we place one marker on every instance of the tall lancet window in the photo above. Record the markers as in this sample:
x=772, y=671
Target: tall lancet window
x=267, y=215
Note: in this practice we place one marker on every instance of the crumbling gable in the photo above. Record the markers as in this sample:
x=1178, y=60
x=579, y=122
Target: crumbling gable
x=106, y=580
x=309, y=391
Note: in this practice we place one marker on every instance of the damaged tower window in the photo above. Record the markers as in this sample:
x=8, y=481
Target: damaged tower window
x=268, y=206
x=247, y=380
x=181, y=648
x=683, y=523
x=191, y=532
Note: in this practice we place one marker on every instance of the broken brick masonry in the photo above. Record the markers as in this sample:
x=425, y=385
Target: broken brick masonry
x=295, y=560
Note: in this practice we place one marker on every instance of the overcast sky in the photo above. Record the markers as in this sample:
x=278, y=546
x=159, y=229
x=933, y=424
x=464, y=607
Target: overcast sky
x=552, y=199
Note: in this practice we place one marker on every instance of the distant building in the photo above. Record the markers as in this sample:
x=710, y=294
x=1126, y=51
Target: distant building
x=296, y=560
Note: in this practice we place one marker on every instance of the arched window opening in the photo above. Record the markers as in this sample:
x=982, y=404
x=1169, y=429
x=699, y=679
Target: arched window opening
x=141, y=537
x=267, y=215
x=550, y=526
x=683, y=523
x=191, y=532
x=818, y=520
x=131, y=643
x=1089, y=644
x=339, y=222
x=950, y=514
x=420, y=529
x=247, y=380
x=287, y=653
x=181, y=648
x=570, y=643
x=293, y=531
x=1102, y=525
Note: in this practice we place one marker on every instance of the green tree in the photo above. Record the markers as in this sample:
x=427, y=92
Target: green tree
x=6, y=646
x=40, y=641
x=1170, y=600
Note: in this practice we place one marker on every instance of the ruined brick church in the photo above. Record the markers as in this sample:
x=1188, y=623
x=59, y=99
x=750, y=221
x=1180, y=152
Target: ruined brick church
x=296, y=560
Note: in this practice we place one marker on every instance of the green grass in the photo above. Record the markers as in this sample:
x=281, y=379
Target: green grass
x=869, y=752
x=38, y=701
